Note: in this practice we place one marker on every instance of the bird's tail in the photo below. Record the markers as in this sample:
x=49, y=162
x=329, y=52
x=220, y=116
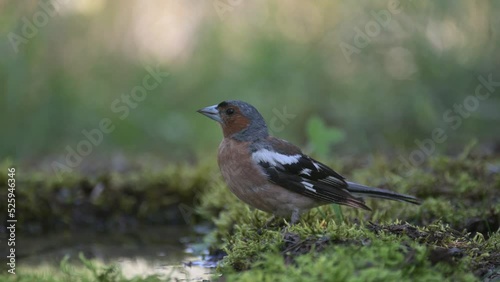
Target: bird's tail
x=365, y=191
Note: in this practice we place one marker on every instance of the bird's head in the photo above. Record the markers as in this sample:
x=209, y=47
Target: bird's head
x=239, y=120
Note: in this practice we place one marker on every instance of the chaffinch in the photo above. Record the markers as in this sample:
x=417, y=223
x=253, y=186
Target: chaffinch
x=274, y=175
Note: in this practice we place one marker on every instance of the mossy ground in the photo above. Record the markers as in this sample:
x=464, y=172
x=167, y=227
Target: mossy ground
x=454, y=235
x=107, y=200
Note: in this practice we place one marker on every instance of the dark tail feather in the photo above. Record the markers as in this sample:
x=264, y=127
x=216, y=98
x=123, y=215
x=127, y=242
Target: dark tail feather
x=365, y=191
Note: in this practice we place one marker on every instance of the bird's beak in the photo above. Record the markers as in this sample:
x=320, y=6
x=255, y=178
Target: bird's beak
x=211, y=112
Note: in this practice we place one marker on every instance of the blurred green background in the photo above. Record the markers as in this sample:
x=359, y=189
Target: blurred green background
x=64, y=63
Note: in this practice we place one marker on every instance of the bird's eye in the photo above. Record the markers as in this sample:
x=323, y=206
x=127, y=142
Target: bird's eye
x=229, y=111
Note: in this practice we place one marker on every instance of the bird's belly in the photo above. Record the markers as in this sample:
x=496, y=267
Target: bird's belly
x=266, y=196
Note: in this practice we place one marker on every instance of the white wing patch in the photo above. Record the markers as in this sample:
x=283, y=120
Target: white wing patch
x=316, y=165
x=274, y=158
x=308, y=186
x=306, y=171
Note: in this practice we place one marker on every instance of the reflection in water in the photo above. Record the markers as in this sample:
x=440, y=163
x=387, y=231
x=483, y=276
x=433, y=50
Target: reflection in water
x=140, y=267
x=160, y=251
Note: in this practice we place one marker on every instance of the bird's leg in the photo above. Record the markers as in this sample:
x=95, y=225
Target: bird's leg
x=295, y=216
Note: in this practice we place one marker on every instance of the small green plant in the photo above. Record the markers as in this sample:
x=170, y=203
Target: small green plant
x=322, y=137
x=101, y=273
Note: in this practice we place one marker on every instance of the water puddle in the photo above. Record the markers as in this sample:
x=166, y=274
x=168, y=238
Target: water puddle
x=162, y=251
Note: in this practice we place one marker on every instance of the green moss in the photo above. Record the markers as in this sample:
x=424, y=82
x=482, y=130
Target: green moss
x=349, y=252
x=377, y=257
x=147, y=195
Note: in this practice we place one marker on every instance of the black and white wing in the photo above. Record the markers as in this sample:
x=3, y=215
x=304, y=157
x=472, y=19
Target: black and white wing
x=286, y=166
